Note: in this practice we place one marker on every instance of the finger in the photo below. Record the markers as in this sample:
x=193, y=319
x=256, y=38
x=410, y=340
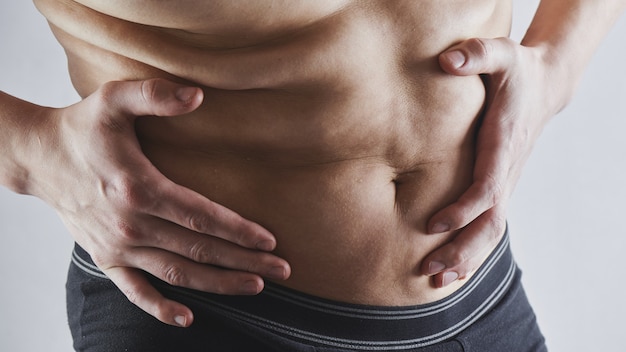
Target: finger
x=492, y=173
x=154, y=97
x=140, y=292
x=214, y=251
x=179, y=271
x=487, y=189
x=169, y=201
x=195, y=212
x=478, y=56
x=466, y=252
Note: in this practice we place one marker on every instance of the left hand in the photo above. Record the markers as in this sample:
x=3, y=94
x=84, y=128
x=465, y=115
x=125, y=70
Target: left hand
x=522, y=95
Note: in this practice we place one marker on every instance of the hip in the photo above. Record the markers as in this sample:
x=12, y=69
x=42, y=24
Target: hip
x=491, y=309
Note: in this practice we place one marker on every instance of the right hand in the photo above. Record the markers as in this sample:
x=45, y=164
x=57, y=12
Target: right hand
x=129, y=217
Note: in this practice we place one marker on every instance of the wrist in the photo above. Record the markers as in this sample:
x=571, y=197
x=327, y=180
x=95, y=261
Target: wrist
x=560, y=75
x=22, y=142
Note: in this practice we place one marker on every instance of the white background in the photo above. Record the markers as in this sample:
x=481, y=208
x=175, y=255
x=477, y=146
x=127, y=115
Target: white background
x=566, y=215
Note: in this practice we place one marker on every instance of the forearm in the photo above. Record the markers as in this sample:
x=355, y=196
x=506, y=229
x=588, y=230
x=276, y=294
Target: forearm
x=19, y=132
x=568, y=32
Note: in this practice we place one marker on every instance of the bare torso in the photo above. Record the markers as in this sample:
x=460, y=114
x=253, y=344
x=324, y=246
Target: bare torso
x=327, y=122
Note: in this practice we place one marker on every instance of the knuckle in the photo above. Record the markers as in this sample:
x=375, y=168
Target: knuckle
x=252, y=267
x=498, y=224
x=200, y=222
x=462, y=213
x=149, y=90
x=457, y=258
x=492, y=189
x=221, y=285
x=133, y=294
x=241, y=230
x=131, y=192
x=175, y=275
x=256, y=263
x=495, y=194
x=227, y=282
x=479, y=47
x=161, y=311
x=261, y=263
x=201, y=252
x=127, y=232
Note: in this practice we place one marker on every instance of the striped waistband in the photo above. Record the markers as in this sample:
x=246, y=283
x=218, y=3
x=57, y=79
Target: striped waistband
x=322, y=322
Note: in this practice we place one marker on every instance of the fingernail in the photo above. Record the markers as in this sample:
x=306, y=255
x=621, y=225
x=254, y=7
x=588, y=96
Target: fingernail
x=266, y=245
x=277, y=272
x=435, y=267
x=449, y=278
x=440, y=227
x=185, y=94
x=181, y=320
x=250, y=287
x=456, y=58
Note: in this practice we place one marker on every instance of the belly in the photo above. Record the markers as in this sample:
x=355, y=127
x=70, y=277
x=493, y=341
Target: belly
x=339, y=139
x=352, y=230
x=345, y=184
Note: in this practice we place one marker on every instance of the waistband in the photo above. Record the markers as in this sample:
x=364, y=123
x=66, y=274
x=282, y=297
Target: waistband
x=321, y=322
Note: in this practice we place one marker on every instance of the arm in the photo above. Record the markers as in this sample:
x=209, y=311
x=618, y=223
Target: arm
x=527, y=84
x=85, y=161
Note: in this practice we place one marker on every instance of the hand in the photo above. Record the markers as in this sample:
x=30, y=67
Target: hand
x=129, y=217
x=521, y=97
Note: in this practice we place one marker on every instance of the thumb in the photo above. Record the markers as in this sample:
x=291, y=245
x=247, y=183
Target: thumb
x=153, y=97
x=478, y=56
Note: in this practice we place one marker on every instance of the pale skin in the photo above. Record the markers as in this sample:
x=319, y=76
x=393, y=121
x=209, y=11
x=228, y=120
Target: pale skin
x=129, y=214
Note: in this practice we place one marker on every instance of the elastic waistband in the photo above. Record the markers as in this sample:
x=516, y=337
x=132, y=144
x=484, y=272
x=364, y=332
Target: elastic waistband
x=322, y=322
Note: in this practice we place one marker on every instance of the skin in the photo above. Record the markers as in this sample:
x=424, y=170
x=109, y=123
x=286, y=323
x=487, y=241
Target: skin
x=346, y=184
x=329, y=124
x=400, y=180
x=527, y=84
